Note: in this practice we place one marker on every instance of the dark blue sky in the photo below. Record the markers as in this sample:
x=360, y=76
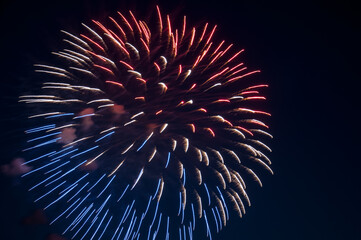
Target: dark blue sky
x=308, y=52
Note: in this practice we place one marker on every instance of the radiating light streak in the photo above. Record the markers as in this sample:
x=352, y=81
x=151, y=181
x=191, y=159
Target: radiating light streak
x=94, y=33
x=209, y=197
x=101, y=221
x=59, y=115
x=79, y=222
x=205, y=158
x=42, y=128
x=67, y=56
x=106, y=105
x=146, y=210
x=127, y=65
x=118, y=27
x=224, y=202
x=186, y=144
x=53, y=189
x=74, y=183
x=117, y=231
x=106, y=135
x=83, y=116
x=75, y=38
x=150, y=135
x=76, y=58
x=192, y=38
x=216, y=75
x=215, y=219
x=96, y=182
x=157, y=189
x=208, y=229
x=152, y=155
x=77, y=46
x=129, y=210
x=60, y=197
x=136, y=52
x=66, y=173
x=139, y=225
x=43, y=114
x=106, y=186
x=78, y=205
x=219, y=218
x=120, y=232
x=242, y=76
x=131, y=226
x=105, y=69
x=244, y=129
x=80, y=217
x=182, y=215
x=159, y=221
x=35, y=159
x=145, y=46
x=35, y=186
x=184, y=176
x=264, y=157
x=136, y=115
x=261, y=144
x=61, y=127
x=88, y=228
x=65, y=154
x=37, y=169
x=180, y=203
x=139, y=176
x=155, y=214
x=88, y=150
x=78, y=191
x=116, y=169
x=55, y=73
x=106, y=226
x=63, y=212
x=85, y=59
x=145, y=31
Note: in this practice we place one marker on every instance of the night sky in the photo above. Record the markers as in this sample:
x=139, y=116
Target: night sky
x=309, y=54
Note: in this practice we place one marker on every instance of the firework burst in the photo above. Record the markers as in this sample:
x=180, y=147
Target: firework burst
x=145, y=134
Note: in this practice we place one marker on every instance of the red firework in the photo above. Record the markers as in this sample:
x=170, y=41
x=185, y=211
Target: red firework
x=146, y=133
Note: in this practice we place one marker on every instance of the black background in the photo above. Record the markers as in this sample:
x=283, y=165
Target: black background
x=308, y=52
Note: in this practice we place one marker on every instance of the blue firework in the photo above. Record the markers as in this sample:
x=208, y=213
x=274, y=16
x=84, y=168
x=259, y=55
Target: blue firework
x=145, y=134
